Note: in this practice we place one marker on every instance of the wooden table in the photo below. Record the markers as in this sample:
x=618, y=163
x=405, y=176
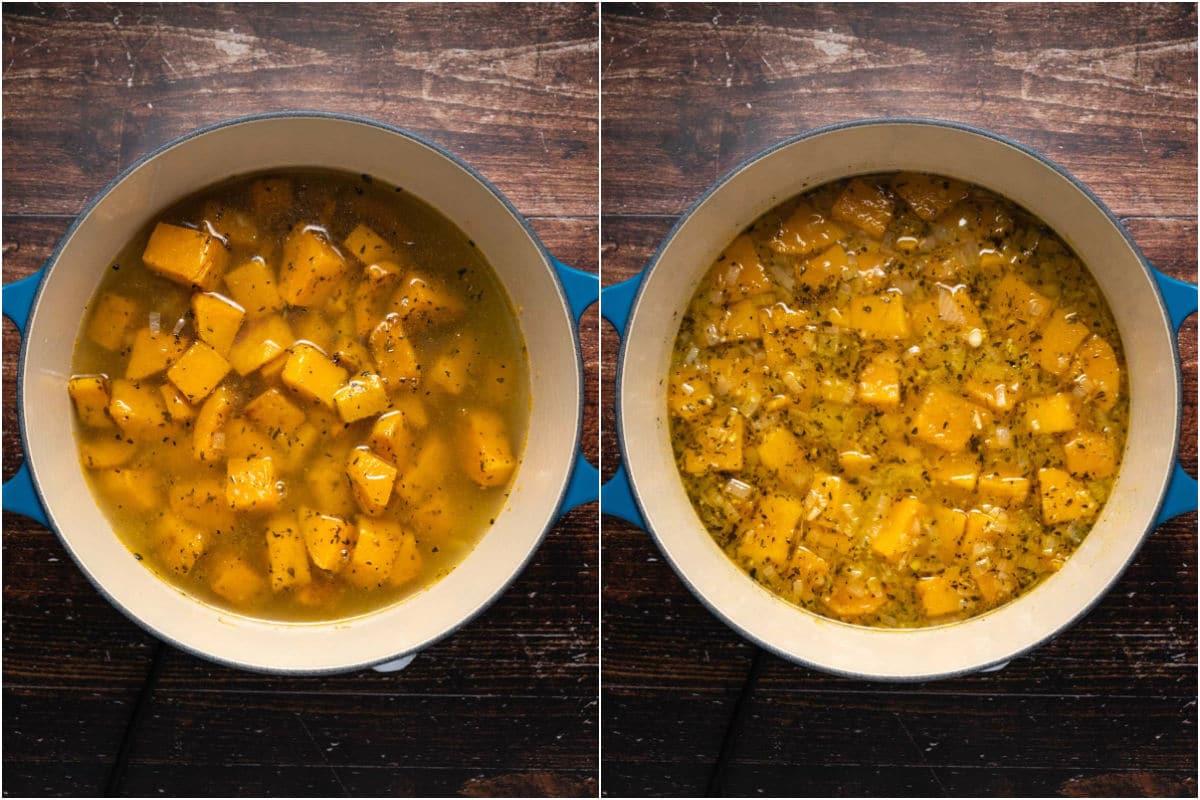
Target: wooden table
x=94, y=705
x=1109, y=707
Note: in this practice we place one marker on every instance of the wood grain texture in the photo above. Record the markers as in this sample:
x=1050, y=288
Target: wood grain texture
x=1106, y=708
x=506, y=706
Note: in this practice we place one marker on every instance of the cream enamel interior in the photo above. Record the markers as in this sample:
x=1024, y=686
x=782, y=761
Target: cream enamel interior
x=898, y=654
x=357, y=147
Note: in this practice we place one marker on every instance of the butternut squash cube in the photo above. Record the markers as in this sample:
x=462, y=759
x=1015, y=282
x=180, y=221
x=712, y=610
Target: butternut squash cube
x=998, y=395
x=960, y=470
x=202, y=504
x=395, y=358
x=252, y=484
x=741, y=272
x=929, y=196
x=879, y=383
x=368, y=246
x=1098, y=373
x=252, y=286
x=780, y=452
x=378, y=545
x=427, y=475
x=311, y=267
x=880, y=316
x=153, y=352
x=1006, y=486
x=823, y=269
x=434, y=521
x=811, y=570
x=132, y=490
x=393, y=438
x=1091, y=455
x=1051, y=414
x=452, y=370
x=487, y=455
x=208, y=438
x=352, y=353
x=865, y=206
x=261, y=343
x=425, y=301
x=218, y=320
x=1021, y=307
x=178, y=408
x=237, y=227
x=329, y=539
x=1064, y=498
x=137, y=409
x=824, y=500
x=312, y=374
x=271, y=411
x=287, y=554
x=855, y=463
x=198, y=371
x=947, y=420
x=235, y=580
x=106, y=451
x=372, y=480
x=739, y=323
x=785, y=335
x=363, y=396
x=805, y=232
x=408, y=562
x=111, y=319
x=190, y=257
x=940, y=596
x=717, y=446
x=329, y=485
x=242, y=440
x=689, y=395
x=1061, y=337
x=897, y=532
x=180, y=543
x=90, y=394
x=945, y=531
x=767, y=536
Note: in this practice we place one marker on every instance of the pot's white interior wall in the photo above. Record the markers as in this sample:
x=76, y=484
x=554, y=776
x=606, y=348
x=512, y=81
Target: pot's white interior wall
x=358, y=148
x=883, y=147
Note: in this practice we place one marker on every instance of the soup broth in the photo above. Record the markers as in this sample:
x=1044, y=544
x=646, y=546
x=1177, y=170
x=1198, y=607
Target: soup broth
x=898, y=400
x=300, y=395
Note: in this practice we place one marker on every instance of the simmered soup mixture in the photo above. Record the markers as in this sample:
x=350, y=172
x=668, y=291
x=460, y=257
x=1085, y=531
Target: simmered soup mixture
x=898, y=400
x=300, y=395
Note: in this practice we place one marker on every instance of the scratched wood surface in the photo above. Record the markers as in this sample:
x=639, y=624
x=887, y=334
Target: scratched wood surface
x=1107, y=708
x=92, y=704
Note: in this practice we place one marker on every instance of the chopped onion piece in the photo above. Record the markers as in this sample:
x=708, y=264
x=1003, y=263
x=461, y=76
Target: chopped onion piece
x=155, y=322
x=218, y=440
x=738, y=489
x=1003, y=436
x=975, y=337
x=179, y=326
x=692, y=355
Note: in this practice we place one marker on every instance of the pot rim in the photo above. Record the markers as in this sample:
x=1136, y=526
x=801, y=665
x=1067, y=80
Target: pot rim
x=666, y=242
x=548, y=264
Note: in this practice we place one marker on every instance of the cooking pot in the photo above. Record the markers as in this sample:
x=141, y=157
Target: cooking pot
x=1149, y=308
x=548, y=297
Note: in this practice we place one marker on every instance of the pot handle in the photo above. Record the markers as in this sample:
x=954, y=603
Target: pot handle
x=582, y=289
x=18, y=495
x=616, y=496
x=1180, y=298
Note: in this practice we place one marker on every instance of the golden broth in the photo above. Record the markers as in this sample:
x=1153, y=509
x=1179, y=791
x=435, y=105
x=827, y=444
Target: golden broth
x=300, y=395
x=898, y=400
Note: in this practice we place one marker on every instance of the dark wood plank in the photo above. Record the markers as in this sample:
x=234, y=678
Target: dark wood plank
x=321, y=780
x=88, y=90
x=511, y=90
x=691, y=90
